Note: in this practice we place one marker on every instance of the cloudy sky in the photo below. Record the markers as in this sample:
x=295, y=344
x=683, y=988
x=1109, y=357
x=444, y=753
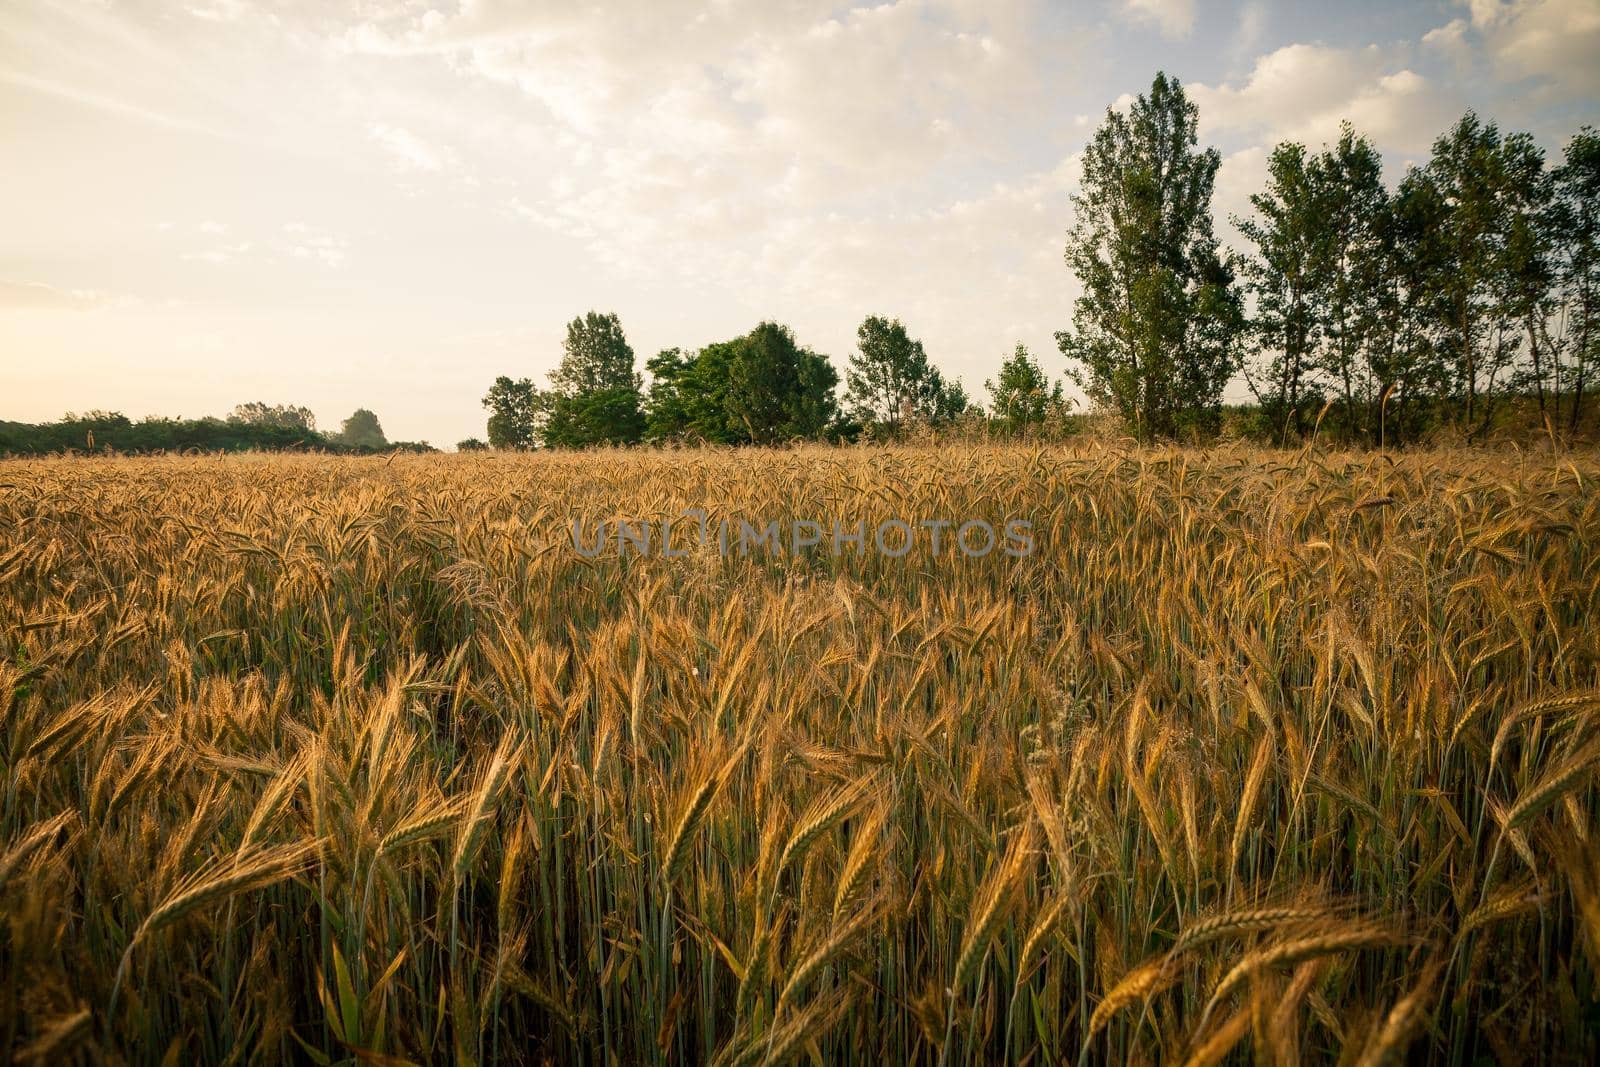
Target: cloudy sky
x=387, y=203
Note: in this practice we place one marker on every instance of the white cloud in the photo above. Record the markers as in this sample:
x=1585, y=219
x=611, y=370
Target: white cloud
x=882, y=89
x=411, y=152
x=36, y=296
x=739, y=152
x=1551, y=41
x=221, y=10
x=301, y=241
x=1252, y=23
x=108, y=103
x=1174, y=18
x=285, y=243
x=1449, y=39
x=1304, y=91
x=1242, y=173
x=219, y=255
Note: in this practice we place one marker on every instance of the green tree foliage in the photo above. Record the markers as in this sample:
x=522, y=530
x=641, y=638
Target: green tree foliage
x=472, y=444
x=1281, y=276
x=890, y=382
x=1154, y=332
x=110, y=430
x=515, y=410
x=777, y=390
x=950, y=401
x=595, y=356
x=1023, y=395
x=666, y=412
x=761, y=388
x=1408, y=363
x=1353, y=209
x=608, y=416
x=1320, y=279
x=1527, y=290
x=363, y=430
x=689, y=395
x=283, y=416
x=1488, y=183
x=1575, y=219
x=1475, y=277
x=595, y=396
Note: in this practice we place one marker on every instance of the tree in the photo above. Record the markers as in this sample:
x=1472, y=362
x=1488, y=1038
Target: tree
x=889, y=379
x=762, y=388
x=1154, y=331
x=1410, y=366
x=814, y=409
x=282, y=416
x=1574, y=222
x=595, y=396
x=1527, y=287
x=763, y=379
x=114, y=431
x=609, y=416
x=1281, y=277
x=666, y=404
x=515, y=411
x=776, y=389
x=947, y=400
x=471, y=444
x=1352, y=209
x=1482, y=179
x=1023, y=395
x=689, y=395
x=595, y=355
x=1320, y=280
x=362, y=430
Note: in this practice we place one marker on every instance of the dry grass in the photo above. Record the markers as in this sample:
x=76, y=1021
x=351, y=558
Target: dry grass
x=357, y=760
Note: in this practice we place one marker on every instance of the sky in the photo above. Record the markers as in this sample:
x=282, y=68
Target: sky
x=388, y=203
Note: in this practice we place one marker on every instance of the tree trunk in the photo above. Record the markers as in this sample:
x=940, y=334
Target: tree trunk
x=1583, y=365
x=1538, y=370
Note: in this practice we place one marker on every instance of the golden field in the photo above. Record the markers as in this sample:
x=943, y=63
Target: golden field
x=1283, y=756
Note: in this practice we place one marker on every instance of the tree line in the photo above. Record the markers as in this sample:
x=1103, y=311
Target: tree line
x=254, y=426
x=1476, y=280
x=1374, y=315
x=761, y=388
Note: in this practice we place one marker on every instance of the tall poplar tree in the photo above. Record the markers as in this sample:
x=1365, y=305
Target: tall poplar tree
x=1155, y=330
x=1282, y=277
x=1352, y=221
x=1483, y=179
x=1576, y=222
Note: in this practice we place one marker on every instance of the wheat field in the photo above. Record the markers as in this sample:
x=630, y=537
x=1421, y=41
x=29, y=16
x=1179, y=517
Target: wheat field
x=1277, y=756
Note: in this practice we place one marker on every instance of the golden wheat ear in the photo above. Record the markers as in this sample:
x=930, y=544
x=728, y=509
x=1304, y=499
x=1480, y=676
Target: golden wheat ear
x=1388, y=1040
x=1242, y=921
x=1140, y=983
x=992, y=905
x=481, y=807
x=857, y=869
x=1334, y=938
x=58, y=1039
x=31, y=841
x=211, y=884
x=697, y=804
x=820, y=816
x=1215, y=1048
